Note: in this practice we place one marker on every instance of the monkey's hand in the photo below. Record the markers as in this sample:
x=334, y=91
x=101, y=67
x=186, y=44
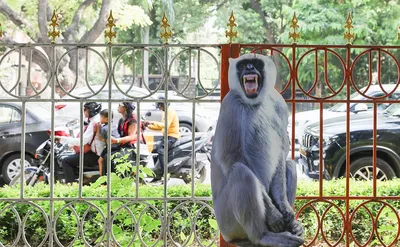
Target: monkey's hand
x=296, y=228
x=288, y=215
x=275, y=221
x=274, y=218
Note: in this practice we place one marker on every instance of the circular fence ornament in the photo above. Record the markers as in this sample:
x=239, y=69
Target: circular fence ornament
x=23, y=80
x=74, y=53
x=189, y=87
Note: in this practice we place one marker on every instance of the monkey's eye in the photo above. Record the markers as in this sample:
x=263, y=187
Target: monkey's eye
x=257, y=64
x=242, y=67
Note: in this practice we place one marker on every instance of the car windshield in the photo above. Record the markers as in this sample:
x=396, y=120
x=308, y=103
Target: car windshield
x=393, y=110
x=341, y=107
x=40, y=109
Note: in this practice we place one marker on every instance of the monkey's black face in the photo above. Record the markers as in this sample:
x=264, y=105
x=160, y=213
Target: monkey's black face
x=250, y=73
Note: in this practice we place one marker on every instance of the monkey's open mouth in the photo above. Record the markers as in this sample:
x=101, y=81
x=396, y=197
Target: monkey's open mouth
x=250, y=83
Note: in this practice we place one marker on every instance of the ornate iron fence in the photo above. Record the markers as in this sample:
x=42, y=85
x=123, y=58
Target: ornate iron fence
x=53, y=214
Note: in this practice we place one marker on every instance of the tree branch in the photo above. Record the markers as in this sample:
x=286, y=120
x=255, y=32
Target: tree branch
x=221, y=4
x=100, y=24
x=73, y=27
x=42, y=20
x=18, y=20
x=257, y=7
x=36, y=58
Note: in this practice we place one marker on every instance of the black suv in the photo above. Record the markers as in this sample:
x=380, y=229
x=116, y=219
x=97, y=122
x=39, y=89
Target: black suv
x=361, y=146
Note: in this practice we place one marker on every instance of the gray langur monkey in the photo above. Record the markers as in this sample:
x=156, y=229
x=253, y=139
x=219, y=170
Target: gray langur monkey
x=253, y=183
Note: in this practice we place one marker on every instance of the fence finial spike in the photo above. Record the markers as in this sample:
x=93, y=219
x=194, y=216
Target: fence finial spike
x=295, y=35
x=110, y=24
x=230, y=33
x=54, y=33
x=348, y=35
x=165, y=34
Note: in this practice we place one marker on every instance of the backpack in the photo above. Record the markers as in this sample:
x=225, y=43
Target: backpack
x=86, y=147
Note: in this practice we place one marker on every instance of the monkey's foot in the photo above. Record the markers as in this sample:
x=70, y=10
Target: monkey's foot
x=244, y=243
x=283, y=239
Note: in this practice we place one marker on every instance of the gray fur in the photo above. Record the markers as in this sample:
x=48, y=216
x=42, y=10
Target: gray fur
x=253, y=185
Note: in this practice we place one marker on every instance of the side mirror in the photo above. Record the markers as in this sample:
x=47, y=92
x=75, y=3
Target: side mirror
x=148, y=114
x=360, y=107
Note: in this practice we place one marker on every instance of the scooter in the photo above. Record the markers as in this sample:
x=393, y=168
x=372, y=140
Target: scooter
x=180, y=158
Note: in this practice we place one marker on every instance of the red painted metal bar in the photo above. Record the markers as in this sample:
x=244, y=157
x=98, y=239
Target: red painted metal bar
x=293, y=73
x=347, y=225
x=228, y=51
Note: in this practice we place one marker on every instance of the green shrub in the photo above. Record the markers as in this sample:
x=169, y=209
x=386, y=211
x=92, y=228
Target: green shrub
x=146, y=211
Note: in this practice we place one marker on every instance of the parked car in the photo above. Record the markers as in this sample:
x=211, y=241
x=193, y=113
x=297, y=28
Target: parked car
x=361, y=146
x=37, y=126
x=183, y=109
x=302, y=119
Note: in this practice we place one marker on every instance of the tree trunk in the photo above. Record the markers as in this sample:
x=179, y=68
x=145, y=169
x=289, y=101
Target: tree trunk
x=270, y=39
x=67, y=69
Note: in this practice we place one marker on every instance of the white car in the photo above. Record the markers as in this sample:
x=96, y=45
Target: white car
x=183, y=109
x=302, y=119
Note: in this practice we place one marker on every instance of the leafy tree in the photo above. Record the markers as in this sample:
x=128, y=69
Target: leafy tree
x=82, y=21
x=184, y=16
x=321, y=22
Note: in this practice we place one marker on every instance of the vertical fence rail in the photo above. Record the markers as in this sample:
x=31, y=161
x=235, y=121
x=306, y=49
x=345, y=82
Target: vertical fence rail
x=227, y=51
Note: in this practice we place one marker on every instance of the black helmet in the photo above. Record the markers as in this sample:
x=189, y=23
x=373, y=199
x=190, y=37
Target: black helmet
x=159, y=104
x=129, y=106
x=93, y=108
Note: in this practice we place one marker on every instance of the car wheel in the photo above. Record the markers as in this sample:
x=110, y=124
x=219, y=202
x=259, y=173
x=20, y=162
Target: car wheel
x=185, y=128
x=12, y=166
x=362, y=169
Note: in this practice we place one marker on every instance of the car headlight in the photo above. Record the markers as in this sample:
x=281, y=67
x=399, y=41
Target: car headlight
x=328, y=140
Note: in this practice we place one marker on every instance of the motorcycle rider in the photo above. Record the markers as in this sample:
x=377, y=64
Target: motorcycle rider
x=127, y=129
x=71, y=162
x=173, y=134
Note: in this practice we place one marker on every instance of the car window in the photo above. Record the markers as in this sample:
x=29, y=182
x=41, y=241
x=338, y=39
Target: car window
x=9, y=115
x=341, y=107
x=370, y=104
x=393, y=96
x=41, y=110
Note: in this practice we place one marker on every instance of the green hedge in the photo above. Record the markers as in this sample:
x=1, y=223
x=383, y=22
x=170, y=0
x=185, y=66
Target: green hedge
x=181, y=213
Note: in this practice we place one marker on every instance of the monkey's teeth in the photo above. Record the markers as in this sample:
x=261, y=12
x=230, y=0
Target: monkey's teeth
x=250, y=83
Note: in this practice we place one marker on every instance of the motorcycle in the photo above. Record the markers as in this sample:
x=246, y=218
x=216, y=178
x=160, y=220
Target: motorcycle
x=180, y=157
x=40, y=169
